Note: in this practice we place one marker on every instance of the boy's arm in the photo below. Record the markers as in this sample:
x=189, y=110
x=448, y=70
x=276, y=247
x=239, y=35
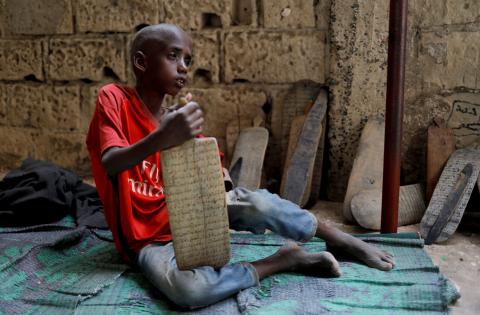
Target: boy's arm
x=176, y=127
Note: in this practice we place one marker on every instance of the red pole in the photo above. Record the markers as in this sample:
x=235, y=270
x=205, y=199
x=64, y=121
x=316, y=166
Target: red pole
x=394, y=114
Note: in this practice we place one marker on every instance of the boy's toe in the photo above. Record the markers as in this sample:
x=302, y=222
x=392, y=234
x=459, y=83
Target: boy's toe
x=388, y=260
x=385, y=266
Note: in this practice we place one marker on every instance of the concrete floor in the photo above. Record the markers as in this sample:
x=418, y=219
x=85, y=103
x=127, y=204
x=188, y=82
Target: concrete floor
x=458, y=258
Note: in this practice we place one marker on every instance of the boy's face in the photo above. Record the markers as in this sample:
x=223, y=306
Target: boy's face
x=168, y=62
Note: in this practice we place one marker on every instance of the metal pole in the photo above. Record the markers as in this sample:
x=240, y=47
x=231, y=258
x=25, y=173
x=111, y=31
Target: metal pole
x=394, y=114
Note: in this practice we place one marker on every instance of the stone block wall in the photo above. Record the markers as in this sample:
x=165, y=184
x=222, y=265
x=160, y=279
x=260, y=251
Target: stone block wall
x=442, y=78
x=56, y=54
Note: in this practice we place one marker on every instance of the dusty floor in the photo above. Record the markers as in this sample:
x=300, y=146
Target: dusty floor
x=458, y=258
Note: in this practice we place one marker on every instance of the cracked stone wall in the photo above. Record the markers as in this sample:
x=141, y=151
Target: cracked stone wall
x=56, y=54
x=442, y=78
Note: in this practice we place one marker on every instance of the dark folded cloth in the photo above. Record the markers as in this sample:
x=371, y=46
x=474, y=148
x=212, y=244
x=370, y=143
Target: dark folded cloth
x=41, y=192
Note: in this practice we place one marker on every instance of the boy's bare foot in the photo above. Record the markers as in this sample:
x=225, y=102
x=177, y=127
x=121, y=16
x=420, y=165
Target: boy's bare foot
x=338, y=241
x=322, y=263
x=369, y=254
x=292, y=257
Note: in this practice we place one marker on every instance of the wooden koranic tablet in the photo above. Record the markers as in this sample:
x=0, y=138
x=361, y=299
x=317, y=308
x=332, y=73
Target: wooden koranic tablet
x=196, y=202
x=295, y=130
x=232, y=133
x=451, y=196
x=299, y=171
x=318, y=166
x=250, y=148
x=440, y=145
x=367, y=169
x=476, y=145
x=366, y=206
x=478, y=183
x=301, y=95
x=312, y=191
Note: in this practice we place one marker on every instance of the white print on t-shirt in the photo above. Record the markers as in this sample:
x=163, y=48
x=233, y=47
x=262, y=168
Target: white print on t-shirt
x=145, y=189
x=153, y=170
x=150, y=171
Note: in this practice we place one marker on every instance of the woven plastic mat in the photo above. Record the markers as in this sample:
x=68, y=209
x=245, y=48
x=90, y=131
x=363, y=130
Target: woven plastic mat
x=78, y=271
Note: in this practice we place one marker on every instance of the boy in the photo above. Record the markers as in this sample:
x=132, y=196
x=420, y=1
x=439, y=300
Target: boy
x=128, y=131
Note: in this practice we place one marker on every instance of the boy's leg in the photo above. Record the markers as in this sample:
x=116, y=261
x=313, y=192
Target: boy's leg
x=260, y=210
x=197, y=287
x=204, y=285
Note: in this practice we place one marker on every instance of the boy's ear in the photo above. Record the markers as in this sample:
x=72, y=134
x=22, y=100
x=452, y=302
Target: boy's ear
x=140, y=61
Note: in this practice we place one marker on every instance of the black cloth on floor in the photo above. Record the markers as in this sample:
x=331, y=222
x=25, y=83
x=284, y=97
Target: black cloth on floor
x=41, y=192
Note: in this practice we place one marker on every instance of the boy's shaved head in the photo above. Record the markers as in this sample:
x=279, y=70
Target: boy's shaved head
x=161, y=55
x=152, y=37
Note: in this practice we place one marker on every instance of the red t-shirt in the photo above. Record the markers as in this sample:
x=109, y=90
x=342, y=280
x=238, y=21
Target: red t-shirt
x=121, y=119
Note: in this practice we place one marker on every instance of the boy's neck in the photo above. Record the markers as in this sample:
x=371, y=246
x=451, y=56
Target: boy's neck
x=152, y=100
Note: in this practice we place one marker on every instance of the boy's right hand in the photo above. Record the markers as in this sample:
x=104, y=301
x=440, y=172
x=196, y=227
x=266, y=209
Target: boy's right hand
x=179, y=125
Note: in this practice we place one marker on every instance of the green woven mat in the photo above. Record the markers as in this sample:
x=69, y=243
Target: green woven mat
x=413, y=286
x=51, y=272
x=82, y=274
